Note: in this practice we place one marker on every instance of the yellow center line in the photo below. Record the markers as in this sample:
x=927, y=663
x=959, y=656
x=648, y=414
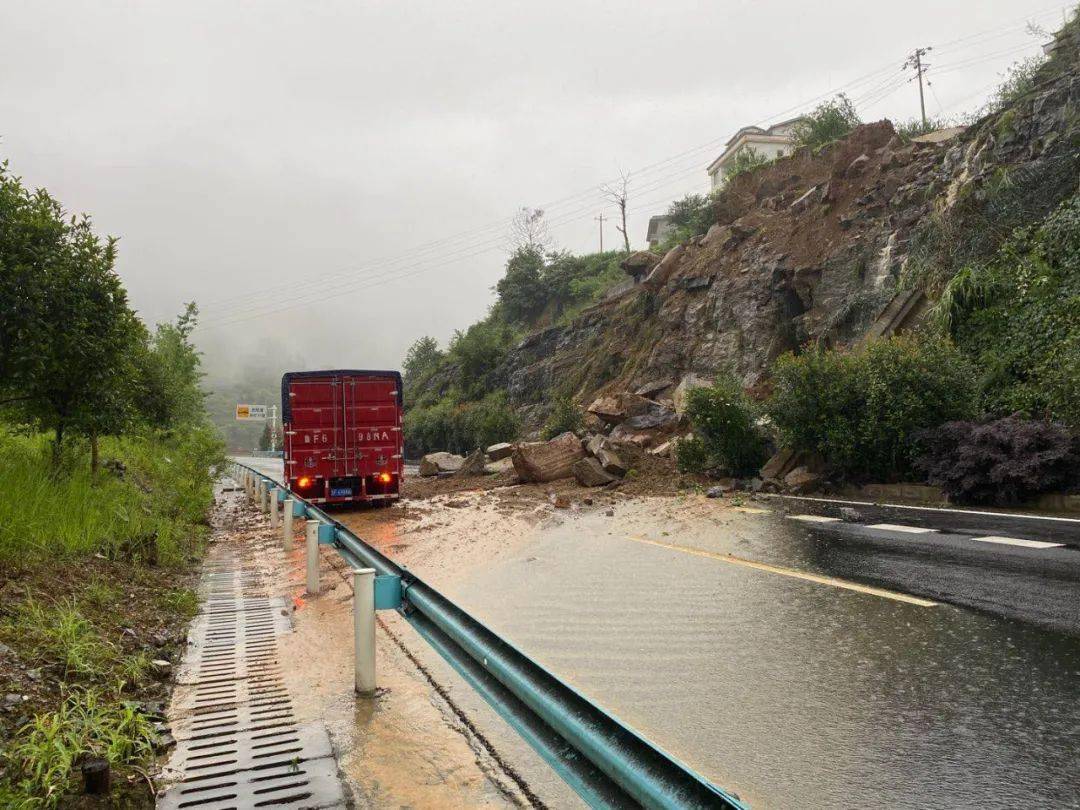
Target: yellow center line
x=790, y=572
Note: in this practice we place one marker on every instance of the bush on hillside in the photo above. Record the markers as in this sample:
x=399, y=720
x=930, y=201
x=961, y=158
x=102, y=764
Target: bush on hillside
x=914, y=127
x=460, y=427
x=421, y=359
x=1005, y=461
x=565, y=416
x=1017, y=81
x=861, y=409
x=830, y=121
x=1018, y=317
x=477, y=352
x=690, y=216
x=746, y=160
x=691, y=455
x=726, y=436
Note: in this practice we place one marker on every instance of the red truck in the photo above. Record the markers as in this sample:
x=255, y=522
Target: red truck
x=343, y=440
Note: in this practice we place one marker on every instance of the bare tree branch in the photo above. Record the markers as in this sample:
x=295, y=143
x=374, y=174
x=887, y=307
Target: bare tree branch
x=529, y=231
x=618, y=194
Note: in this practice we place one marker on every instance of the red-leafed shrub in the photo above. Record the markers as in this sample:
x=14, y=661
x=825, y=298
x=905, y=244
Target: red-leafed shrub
x=1004, y=461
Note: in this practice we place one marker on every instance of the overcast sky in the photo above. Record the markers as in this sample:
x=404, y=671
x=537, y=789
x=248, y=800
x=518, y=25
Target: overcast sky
x=332, y=179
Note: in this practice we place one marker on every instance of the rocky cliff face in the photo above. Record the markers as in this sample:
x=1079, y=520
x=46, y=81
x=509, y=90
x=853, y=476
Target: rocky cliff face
x=815, y=247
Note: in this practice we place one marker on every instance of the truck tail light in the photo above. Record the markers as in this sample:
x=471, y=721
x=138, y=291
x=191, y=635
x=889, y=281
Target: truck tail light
x=304, y=482
x=385, y=478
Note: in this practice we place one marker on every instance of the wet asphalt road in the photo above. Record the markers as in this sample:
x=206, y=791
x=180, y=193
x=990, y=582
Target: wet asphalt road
x=799, y=693
x=796, y=693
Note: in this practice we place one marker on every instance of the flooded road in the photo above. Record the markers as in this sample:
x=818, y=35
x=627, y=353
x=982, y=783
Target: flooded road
x=789, y=691
x=792, y=693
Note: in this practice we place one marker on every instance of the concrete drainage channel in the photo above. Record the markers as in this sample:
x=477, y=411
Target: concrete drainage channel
x=238, y=742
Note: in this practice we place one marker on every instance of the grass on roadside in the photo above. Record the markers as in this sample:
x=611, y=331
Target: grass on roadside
x=149, y=503
x=47, y=749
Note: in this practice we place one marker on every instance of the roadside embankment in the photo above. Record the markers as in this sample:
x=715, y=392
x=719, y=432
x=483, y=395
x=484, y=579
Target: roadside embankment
x=95, y=595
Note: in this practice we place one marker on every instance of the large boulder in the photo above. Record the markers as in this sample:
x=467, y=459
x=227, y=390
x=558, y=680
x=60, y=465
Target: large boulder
x=639, y=264
x=435, y=463
x=801, y=480
x=547, y=461
x=654, y=387
x=611, y=462
x=614, y=408
x=500, y=451
x=503, y=465
x=474, y=464
x=589, y=473
x=662, y=272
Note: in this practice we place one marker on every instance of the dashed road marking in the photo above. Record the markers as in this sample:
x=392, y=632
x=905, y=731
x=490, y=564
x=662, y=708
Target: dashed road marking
x=1017, y=541
x=815, y=518
x=790, y=572
x=896, y=527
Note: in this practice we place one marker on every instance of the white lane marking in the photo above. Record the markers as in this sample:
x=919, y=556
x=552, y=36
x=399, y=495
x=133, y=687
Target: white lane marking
x=948, y=510
x=1017, y=541
x=896, y=527
x=815, y=518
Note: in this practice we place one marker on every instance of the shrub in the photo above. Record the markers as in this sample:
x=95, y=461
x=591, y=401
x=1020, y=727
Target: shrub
x=691, y=455
x=1018, y=316
x=564, y=416
x=1017, y=81
x=914, y=127
x=830, y=121
x=460, y=427
x=724, y=422
x=861, y=409
x=1003, y=461
x=746, y=160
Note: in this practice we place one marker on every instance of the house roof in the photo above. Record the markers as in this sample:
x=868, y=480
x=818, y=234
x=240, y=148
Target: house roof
x=752, y=132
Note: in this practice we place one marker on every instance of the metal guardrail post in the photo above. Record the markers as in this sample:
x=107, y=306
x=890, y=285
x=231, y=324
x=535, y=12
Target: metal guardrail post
x=311, y=536
x=287, y=527
x=364, y=630
x=273, y=508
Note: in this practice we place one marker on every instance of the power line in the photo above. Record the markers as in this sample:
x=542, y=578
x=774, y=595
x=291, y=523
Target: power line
x=879, y=88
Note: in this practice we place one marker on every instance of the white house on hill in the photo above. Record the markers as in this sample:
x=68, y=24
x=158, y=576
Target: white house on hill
x=776, y=141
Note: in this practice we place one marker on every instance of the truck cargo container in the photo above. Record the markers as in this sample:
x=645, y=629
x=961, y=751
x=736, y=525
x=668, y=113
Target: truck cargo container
x=343, y=440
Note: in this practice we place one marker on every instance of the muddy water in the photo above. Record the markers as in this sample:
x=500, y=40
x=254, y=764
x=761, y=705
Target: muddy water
x=789, y=692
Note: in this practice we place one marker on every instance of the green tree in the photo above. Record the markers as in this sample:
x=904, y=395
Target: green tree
x=80, y=379
x=522, y=294
x=830, y=121
x=422, y=358
x=170, y=375
x=33, y=241
x=477, y=352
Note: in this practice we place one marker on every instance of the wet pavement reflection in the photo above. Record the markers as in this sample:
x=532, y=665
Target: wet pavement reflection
x=791, y=693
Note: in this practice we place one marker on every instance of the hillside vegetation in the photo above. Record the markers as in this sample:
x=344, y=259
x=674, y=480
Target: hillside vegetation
x=965, y=243
x=105, y=487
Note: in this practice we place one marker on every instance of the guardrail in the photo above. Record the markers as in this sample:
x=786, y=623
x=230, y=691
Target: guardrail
x=606, y=762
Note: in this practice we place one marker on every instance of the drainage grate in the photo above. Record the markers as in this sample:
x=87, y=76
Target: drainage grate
x=239, y=744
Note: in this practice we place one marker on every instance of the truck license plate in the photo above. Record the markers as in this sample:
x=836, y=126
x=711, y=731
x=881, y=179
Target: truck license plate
x=340, y=492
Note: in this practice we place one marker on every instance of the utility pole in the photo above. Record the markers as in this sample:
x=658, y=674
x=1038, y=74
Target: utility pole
x=915, y=61
x=600, y=219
